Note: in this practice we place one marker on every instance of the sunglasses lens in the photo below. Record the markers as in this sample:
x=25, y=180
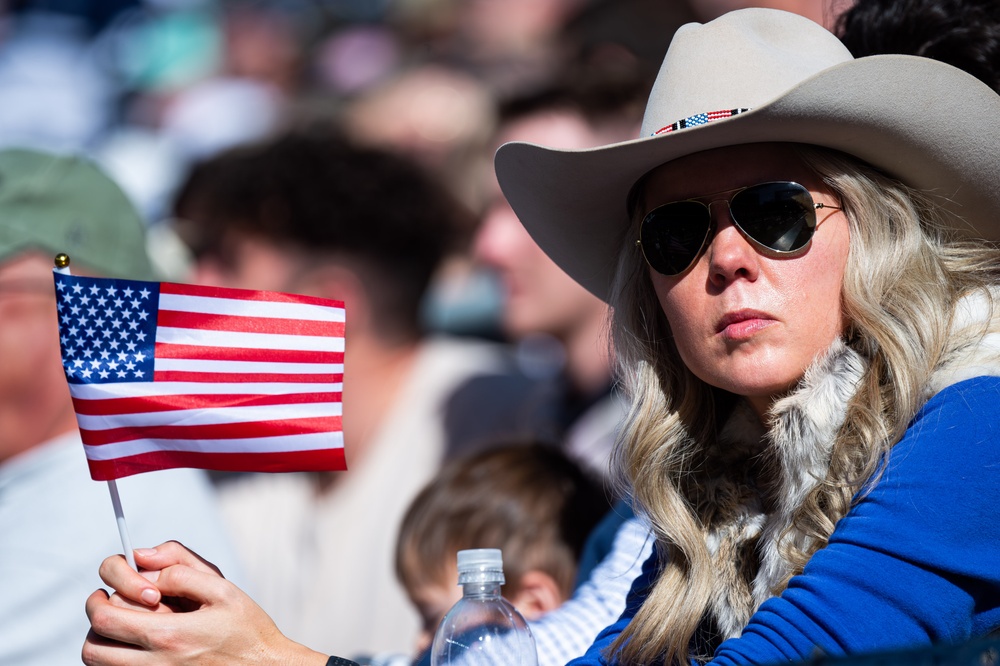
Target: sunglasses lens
x=672, y=235
x=779, y=216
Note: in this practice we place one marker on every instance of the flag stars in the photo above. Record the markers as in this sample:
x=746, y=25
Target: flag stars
x=102, y=331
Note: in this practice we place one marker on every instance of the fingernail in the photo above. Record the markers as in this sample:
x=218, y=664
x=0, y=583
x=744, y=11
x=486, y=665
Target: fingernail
x=150, y=596
x=145, y=552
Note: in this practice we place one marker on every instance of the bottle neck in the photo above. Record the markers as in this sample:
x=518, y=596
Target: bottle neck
x=481, y=589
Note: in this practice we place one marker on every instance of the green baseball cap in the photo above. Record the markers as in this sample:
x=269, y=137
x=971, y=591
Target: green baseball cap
x=65, y=203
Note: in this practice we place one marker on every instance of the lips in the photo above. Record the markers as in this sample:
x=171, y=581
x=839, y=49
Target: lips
x=742, y=324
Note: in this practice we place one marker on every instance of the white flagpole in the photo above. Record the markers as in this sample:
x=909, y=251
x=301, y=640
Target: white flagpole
x=62, y=266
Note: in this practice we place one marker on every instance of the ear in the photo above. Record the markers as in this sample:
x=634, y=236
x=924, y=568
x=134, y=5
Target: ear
x=537, y=594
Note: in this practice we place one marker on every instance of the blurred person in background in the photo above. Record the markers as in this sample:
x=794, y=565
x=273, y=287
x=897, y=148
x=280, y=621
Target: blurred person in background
x=962, y=33
x=824, y=12
x=527, y=499
x=50, y=204
x=311, y=213
x=557, y=321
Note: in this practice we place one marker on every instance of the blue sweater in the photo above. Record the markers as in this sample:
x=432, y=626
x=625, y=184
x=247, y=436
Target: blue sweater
x=915, y=562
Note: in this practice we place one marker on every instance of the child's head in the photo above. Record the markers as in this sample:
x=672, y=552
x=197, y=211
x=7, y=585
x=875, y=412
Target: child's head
x=530, y=501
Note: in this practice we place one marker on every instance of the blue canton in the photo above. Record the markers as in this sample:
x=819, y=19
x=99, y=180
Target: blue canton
x=699, y=119
x=107, y=328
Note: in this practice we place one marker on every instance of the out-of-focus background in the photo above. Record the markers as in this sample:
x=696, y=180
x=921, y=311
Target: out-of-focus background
x=148, y=87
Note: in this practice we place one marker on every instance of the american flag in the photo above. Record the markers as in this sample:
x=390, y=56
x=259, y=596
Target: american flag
x=167, y=375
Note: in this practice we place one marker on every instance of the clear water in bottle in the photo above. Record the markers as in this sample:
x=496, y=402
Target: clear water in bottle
x=483, y=628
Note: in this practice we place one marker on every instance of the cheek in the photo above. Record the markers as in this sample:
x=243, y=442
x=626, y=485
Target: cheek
x=683, y=310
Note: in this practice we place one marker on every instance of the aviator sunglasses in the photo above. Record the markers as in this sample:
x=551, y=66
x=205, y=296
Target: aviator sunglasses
x=778, y=217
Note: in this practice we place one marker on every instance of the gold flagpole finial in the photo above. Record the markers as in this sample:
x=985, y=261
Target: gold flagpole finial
x=61, y=260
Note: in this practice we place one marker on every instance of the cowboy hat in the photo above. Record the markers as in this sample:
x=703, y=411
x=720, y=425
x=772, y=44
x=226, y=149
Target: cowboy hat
x=764, y=75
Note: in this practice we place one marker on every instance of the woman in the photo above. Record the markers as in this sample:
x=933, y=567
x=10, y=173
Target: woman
x=812, y=357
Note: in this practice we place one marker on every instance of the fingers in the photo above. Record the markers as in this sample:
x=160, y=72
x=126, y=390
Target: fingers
x=170, y=553
x=111, y=622
x=129, y=583
x=100, y=651
x=204, y=587
x=142, y=587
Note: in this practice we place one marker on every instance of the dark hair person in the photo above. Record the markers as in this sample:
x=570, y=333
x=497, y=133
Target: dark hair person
x=803, y=309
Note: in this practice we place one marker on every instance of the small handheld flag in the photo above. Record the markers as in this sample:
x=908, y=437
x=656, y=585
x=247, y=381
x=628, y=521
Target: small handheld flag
x=167, y=375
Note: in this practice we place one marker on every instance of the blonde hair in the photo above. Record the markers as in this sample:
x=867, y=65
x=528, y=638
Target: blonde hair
x=904, y=276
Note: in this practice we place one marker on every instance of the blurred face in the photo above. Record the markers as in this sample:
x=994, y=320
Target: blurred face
x=432, y=600
x=824, y=12
x=743, y=321
x=31, y=374
x=538, y=296
x=249, y=263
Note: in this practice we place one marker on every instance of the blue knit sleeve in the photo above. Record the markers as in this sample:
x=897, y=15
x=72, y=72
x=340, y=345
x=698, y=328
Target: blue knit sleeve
x=916, y=561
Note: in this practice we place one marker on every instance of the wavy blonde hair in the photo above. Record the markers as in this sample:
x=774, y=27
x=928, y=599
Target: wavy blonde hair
x=904, y=276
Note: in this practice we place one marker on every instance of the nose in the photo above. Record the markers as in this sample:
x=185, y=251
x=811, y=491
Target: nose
x=730, y=255
x=501, y=238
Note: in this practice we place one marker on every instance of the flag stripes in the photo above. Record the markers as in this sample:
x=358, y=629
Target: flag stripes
x=166, y=375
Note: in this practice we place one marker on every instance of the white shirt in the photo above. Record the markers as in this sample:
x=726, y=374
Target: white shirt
x=57, y=525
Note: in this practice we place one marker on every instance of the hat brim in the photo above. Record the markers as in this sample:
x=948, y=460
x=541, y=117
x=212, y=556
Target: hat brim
x=928, y=124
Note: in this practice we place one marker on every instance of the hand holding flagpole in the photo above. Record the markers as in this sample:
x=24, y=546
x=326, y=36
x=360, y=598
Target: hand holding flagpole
x=62, y=266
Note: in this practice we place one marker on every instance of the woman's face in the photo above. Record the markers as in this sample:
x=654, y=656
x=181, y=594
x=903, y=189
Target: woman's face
x=743, y=321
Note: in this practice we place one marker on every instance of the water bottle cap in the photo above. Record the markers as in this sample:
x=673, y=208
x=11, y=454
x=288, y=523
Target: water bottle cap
x=480, y=564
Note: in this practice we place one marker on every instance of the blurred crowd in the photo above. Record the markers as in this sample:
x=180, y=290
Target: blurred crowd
x=148, y=87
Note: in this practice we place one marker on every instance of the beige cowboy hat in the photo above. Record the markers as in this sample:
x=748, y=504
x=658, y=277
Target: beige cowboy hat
x=758, y=75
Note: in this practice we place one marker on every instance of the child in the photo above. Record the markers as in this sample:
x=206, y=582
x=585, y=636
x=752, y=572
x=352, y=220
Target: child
x=530, y=501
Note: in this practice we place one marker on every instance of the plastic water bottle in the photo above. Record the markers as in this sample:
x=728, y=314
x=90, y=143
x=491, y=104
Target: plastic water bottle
x=483, y=628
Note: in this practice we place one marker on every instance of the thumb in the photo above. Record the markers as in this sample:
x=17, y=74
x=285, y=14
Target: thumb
x=186, y=582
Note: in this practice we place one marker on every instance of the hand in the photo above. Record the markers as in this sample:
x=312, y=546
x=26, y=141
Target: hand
x=180, y=610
